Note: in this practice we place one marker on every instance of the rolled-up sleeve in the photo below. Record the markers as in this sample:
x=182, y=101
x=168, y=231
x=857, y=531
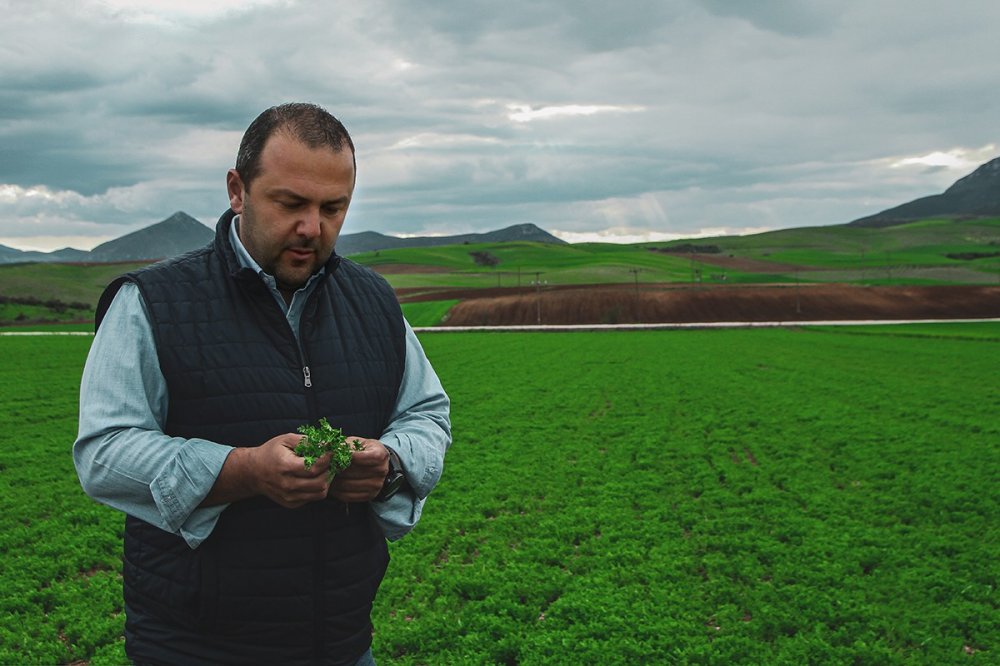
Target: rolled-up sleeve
x=122, y=456
x=420, y=434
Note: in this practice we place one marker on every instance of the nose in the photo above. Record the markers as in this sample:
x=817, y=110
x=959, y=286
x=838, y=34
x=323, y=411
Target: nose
x=309, y=224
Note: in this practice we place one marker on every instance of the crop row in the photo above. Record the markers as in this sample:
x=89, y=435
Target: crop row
x=819, y=496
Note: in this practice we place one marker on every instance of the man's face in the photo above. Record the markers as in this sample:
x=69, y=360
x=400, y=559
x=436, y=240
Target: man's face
x=293, y=213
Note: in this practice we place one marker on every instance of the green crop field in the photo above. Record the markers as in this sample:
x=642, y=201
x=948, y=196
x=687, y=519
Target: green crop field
x=914, y=253
x=763, y=496
x=426, y=313
x=923, y=241
x=929, y=252
x=66, y=282
x=521, y=263
x=75, y=285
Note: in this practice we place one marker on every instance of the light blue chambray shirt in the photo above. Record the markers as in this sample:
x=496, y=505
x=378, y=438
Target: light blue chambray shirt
x=124, y=459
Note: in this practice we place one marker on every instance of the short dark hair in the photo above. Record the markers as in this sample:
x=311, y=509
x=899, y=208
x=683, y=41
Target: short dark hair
x=309, y=123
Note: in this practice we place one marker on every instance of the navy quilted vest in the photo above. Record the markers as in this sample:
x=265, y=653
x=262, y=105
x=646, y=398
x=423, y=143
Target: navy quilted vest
x=270, y=585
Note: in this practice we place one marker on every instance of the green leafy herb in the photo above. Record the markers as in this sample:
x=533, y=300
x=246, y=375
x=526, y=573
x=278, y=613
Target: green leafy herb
x=322, y=439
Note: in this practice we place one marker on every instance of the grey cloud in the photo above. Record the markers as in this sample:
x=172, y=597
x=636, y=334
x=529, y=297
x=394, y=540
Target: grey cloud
x=786, y=17
x=749, y=111
x=591, y=25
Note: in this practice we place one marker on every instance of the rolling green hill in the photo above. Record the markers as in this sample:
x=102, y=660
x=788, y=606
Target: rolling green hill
x=926, y=242
x=454, y=265
x=926, y=252
x=76, y=284
x=937, y=251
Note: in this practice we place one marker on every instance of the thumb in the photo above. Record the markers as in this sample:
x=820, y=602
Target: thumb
x=291, y=440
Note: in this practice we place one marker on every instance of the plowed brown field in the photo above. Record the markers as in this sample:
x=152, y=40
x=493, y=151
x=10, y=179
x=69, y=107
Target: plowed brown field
x=624, y=304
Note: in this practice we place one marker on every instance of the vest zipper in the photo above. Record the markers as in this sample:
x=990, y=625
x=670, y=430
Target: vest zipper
x=308, y=390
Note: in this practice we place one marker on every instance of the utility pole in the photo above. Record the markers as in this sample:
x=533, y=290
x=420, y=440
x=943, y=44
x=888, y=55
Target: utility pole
x=635, y=273
x=538, y=297
x=798, y=303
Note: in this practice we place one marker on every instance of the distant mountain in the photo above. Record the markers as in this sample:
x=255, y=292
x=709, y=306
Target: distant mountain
x=181, y=233
x=10, y=255
x=175, y=235
x=68, y=254
x=977, y=195
x=370, y=241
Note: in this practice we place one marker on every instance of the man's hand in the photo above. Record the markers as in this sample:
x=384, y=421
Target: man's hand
x=273, y=470
x=362, y=481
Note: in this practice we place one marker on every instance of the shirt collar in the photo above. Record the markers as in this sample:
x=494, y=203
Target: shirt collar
x=246, y=261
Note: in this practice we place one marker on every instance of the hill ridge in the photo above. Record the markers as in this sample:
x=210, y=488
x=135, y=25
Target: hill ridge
x=182, y=233
x=976, y=195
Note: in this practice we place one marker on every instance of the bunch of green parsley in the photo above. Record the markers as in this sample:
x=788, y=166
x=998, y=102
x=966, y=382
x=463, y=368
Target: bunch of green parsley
x=322, y=439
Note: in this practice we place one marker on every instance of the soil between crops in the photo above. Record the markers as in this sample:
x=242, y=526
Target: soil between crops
x=671, y=303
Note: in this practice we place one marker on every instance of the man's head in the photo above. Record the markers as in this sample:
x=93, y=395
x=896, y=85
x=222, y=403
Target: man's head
x=310, y=124
x=292, y=185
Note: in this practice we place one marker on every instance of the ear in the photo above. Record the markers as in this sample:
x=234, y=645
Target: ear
x=234, y=184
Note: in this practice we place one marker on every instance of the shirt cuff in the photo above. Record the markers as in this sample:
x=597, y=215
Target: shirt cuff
x=184, y=483
x=421, y=474
x=398, y=514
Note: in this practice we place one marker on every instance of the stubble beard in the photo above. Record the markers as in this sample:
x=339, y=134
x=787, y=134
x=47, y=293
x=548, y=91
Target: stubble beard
x=289, y=274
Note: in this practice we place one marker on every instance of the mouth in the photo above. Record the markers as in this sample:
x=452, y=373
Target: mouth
x=300, y=253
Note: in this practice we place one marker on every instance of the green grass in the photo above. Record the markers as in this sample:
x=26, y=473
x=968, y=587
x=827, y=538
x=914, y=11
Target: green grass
x=26, y=328
x=911, y=251
x=760, y=496
x=751, y=497
x=69, y=283
x=957, y=330
x=908, y=254
x=522, y=263
x=923, y=244
x=14, y=312
x=66, y=282
x=61, y=596
x=427, y=313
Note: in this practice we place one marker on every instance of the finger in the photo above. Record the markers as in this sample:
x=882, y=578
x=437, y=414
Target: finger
x=366, y=443
x=373, y=456
x=298, y=497
x=358, y=492
x=290, y=440
x=366, y=487
x=297, y=501
x=297, y=469
x=365, y=469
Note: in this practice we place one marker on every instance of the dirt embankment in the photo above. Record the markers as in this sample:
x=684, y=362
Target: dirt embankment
x=623, y=304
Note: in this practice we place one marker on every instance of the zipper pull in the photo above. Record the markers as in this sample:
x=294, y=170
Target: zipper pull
x=307, y=375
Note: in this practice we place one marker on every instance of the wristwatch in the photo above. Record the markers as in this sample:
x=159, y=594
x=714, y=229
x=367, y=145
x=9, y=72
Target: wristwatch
x=394, y=478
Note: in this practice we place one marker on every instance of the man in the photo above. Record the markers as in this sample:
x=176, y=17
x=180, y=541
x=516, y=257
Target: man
x=203, y=368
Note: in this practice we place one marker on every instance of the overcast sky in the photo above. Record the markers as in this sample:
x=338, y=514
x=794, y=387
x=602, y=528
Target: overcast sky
x=596, y=120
